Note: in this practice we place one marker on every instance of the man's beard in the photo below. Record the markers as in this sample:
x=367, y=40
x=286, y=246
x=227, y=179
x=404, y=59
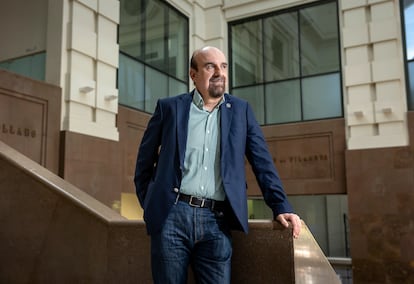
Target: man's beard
x=216, y=91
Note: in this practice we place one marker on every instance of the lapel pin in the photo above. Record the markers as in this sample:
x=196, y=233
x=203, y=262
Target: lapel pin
x=228, y=105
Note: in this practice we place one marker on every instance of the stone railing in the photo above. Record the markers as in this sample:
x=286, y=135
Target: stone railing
x=52, y=232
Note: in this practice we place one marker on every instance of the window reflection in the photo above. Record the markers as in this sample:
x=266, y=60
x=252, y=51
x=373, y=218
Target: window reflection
x=287, y=64
x=325, y=215
x=409, y=49
x=153, y=42
x=247, y=57
x=319, y=39
x=409, y=28
x=281, y=47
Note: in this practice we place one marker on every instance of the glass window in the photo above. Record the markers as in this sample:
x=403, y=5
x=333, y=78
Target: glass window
x=411, y=85
x=321, y=102
x=254, y=95
x=247, y=57
x=131, y=82
x=409, y=28
x=409, y=48
x=176, y=87
x=319, y=39
x=155, y=36
x=283, y=102
x=32, y=66
x=177, y=46
x=281, y=52
x=156, y=87
x=294, y=56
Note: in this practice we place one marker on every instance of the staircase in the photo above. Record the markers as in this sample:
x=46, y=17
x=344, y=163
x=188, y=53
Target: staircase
x=53, y=232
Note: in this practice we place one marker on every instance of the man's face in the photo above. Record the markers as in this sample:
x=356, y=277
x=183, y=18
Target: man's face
x=210, y=78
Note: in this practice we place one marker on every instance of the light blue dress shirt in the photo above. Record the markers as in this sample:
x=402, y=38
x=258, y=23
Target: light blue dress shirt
x=201, y=173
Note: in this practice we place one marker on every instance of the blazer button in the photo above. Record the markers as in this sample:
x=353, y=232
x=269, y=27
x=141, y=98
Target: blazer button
x=176, y=190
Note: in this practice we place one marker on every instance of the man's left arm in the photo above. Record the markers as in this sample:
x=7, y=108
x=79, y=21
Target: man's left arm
x=267, y=176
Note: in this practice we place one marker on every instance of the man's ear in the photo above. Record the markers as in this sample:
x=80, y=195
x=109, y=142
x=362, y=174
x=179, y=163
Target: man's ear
x=192, y=74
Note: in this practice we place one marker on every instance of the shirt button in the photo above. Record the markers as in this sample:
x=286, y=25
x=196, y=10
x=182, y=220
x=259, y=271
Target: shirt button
x=205, y=168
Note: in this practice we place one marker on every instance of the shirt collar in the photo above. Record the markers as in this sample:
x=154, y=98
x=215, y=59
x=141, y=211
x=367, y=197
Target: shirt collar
x=199, y=102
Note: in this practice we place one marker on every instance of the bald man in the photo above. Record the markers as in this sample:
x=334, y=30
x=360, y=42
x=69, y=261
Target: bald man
x=190, y=176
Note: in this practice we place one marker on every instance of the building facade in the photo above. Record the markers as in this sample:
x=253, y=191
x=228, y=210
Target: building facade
x=330, y=81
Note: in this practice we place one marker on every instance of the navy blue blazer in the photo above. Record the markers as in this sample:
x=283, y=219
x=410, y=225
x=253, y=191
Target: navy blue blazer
x=161, y=159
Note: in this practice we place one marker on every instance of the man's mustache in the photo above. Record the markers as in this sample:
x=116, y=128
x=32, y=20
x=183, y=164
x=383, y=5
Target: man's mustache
x=216, y=79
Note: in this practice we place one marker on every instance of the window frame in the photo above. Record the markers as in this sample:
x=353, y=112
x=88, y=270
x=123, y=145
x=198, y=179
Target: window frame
x=167, y=8
x=301, y=77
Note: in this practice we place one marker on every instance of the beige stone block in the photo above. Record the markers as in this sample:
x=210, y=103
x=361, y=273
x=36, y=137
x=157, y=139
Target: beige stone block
x=213, y=3
x=386, y=50
x=382, y=10
x=108, y=52
x=360, y=94
x=383, y=30
x=82, y=36
x=357, y=74
x=82, y=65
x=105, y=75
x=389, y=90
x=355, y=36
x=371, y=2
x=198, y=20
x=107, y=94
x=385, y=70
x=92, y=4
x=389, y=111
x=217, y=26
x=104, y=117
x=391, y=128
x=369, y=142
x=109, y=9
x=362, y=130
x=360, y=114
x=82, y=41
x=107, y=99
x=81, y=89
x=83, y=125
x=358, y=54
x=78, y=111
x=108, y=49
x=355, y=17
x=352, y=4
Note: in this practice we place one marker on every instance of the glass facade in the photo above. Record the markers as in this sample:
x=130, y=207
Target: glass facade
x=32, y=66
x=408, y=6
x=153, y=43
x=287, y=64
x=325, y=215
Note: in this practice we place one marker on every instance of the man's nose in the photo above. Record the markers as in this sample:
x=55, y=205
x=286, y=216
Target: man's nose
x=218, y=70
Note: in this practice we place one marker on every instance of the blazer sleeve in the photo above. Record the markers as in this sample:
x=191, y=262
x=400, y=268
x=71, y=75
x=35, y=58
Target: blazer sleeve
x=261, y=161
x=148, y=154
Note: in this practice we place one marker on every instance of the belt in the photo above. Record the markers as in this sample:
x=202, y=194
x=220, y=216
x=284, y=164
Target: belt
x=201, y=202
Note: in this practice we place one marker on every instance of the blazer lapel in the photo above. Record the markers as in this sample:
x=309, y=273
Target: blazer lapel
x=183, y=114
x=226, y=117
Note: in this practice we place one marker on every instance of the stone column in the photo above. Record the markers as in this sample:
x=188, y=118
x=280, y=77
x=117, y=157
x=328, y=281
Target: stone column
x=374, y=82
x=82, y=58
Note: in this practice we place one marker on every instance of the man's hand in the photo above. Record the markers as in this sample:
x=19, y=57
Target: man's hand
x=294, y=219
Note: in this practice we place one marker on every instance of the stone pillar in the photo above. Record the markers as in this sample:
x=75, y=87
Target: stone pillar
x=82, y=58
x=208, y=25
x=374, y=83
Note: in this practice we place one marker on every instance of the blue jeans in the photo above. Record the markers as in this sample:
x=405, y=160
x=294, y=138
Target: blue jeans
x=192, y=236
